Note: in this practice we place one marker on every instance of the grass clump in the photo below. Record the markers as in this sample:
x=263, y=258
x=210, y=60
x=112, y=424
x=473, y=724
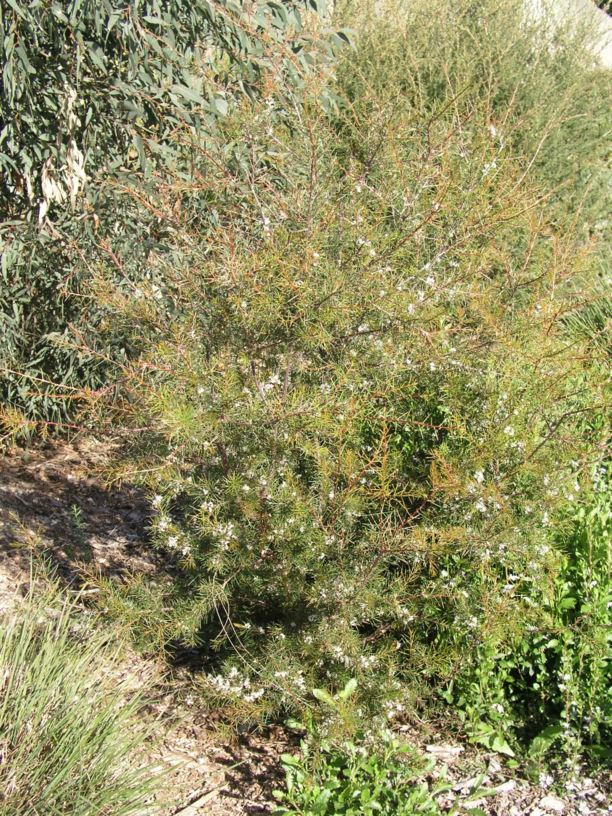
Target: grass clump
x=71, y=730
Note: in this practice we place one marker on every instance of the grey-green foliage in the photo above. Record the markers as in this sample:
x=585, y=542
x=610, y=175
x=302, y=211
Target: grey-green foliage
x=94, y=90
x=83, y=81
x=71, y=733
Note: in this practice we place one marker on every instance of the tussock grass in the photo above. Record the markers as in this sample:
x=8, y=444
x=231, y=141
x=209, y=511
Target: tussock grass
x=71, y=738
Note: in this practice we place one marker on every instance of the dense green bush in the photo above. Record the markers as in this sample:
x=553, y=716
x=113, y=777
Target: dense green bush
x=536, y=100
x=71, y=731
x=359, y=407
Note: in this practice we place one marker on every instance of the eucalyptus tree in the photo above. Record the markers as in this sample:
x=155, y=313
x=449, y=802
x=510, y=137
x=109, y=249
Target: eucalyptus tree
x=97, y=96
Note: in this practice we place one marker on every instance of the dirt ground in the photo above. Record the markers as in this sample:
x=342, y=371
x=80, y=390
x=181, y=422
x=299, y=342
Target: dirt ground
x=54, y=503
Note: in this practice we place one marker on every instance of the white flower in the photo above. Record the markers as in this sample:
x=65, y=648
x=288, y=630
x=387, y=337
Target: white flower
x=479, y=476
x=492, y=165
x=480, y=505
x=273, y=381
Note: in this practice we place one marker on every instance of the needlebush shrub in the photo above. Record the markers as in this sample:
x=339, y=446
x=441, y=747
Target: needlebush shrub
x=360, y=413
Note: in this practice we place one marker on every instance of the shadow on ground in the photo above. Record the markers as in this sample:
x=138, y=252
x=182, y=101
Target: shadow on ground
x=54, y=505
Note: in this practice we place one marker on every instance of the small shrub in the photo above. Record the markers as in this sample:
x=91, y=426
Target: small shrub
x=70, y=735
x=358, y=410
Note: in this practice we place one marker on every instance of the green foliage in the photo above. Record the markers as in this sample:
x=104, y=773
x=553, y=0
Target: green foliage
x=354, y=781
x=552, y=685
x=536, y=80
x=116, y=76
x=355, y=778
x=71, y=737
